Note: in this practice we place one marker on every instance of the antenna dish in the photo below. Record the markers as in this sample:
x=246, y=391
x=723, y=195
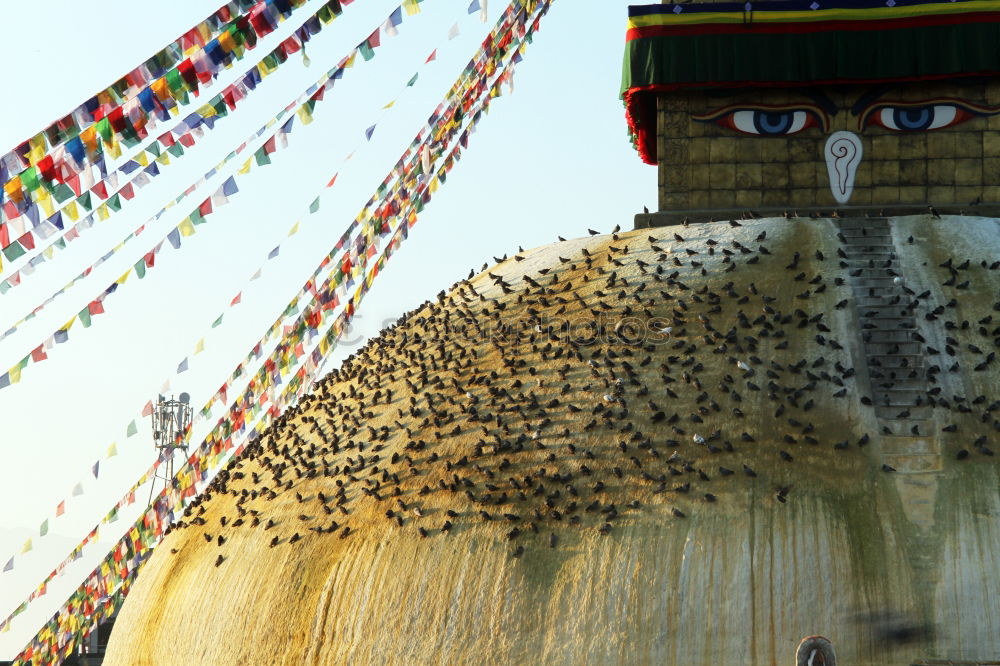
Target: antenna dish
x=185, y=398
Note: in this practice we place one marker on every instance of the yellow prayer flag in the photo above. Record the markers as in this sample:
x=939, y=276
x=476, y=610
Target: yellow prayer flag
x=124, y=277
x=115, y=149
x=304, y=115
x=36, y=154
x=48, y=252
x=411, y=7
x=71, y=211
x=46, y=204
x=142, y=159
x=164, y=158
x=159, y=87
x=26, y=547
x=186, y=227
x=433, y=187
x=113, y=450
x=15, y=374
x=89, y=136
x=200, y=347
x=226, y=41
x=389, y=105
x=206, y=111
x=246, y=166
x=294, y=230
x=350, y=61
x=103, y=212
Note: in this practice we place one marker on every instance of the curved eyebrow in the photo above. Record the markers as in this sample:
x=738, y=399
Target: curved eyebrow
x=870, y=97
x=821, y=100
x=968, y=107
x=819, y=111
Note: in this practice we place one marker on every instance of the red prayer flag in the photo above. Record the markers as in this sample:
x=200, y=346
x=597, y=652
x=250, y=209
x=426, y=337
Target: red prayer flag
x=4, y=236
x=236, y=299
x=127, y=191
x=229, y=98
x=46, y=167
x=186, y=139
x=38, y=354
x=206, y=207
x=333, y=180
x=432, y=56
x=374, y=39
x=167, y=139
x=95, y=307
x=291, y=45
x=148, y=409
x=27, y=240
x=100, y=189
x=150, y=258
x=186, y=70
x=74, y=182
x=270, y=146
x=61, y=508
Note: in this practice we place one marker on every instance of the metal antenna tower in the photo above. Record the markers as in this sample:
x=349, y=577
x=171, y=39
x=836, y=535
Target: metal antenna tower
x=171, y=419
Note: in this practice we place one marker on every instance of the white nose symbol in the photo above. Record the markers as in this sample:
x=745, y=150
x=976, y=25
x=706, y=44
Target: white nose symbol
x=843, y=155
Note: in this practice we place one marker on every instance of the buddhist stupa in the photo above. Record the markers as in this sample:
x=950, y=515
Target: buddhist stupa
x=759, y=428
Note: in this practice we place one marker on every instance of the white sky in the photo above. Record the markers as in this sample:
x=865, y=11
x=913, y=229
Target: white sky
x=551, y=159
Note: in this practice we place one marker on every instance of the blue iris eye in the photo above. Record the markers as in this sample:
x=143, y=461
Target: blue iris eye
x=913, y=119
x=772, y=122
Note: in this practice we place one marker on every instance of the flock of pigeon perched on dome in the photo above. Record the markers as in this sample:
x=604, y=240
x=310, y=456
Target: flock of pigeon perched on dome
x=644, y=373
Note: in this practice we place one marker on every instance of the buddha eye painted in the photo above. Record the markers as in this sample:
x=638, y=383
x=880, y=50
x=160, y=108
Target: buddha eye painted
x=918, y=118
x=925, y=116
x=765, y=121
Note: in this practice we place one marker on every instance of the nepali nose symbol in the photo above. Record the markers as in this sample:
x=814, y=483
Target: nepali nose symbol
x=843, y=155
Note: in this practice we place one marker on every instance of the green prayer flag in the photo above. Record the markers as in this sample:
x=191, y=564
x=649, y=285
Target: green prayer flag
x=140, y=268
x=176, y=149
x=217, y=321
x=62, y=192
x=4, y=287
x=314, y=206
x=261, y=157
x=153, y=148
x=413, y=80
x=367, y=52
x=103, y=127
x=132, y=429
x=13, y=251
x=29, y=179
x=60, y=243
x=174, y=81
x=115, y=202
x=84, y=316
x=84, y=200
x=197, y=217
x=44, y=529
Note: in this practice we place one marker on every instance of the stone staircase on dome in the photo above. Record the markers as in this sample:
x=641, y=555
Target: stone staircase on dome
x=896, y=359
